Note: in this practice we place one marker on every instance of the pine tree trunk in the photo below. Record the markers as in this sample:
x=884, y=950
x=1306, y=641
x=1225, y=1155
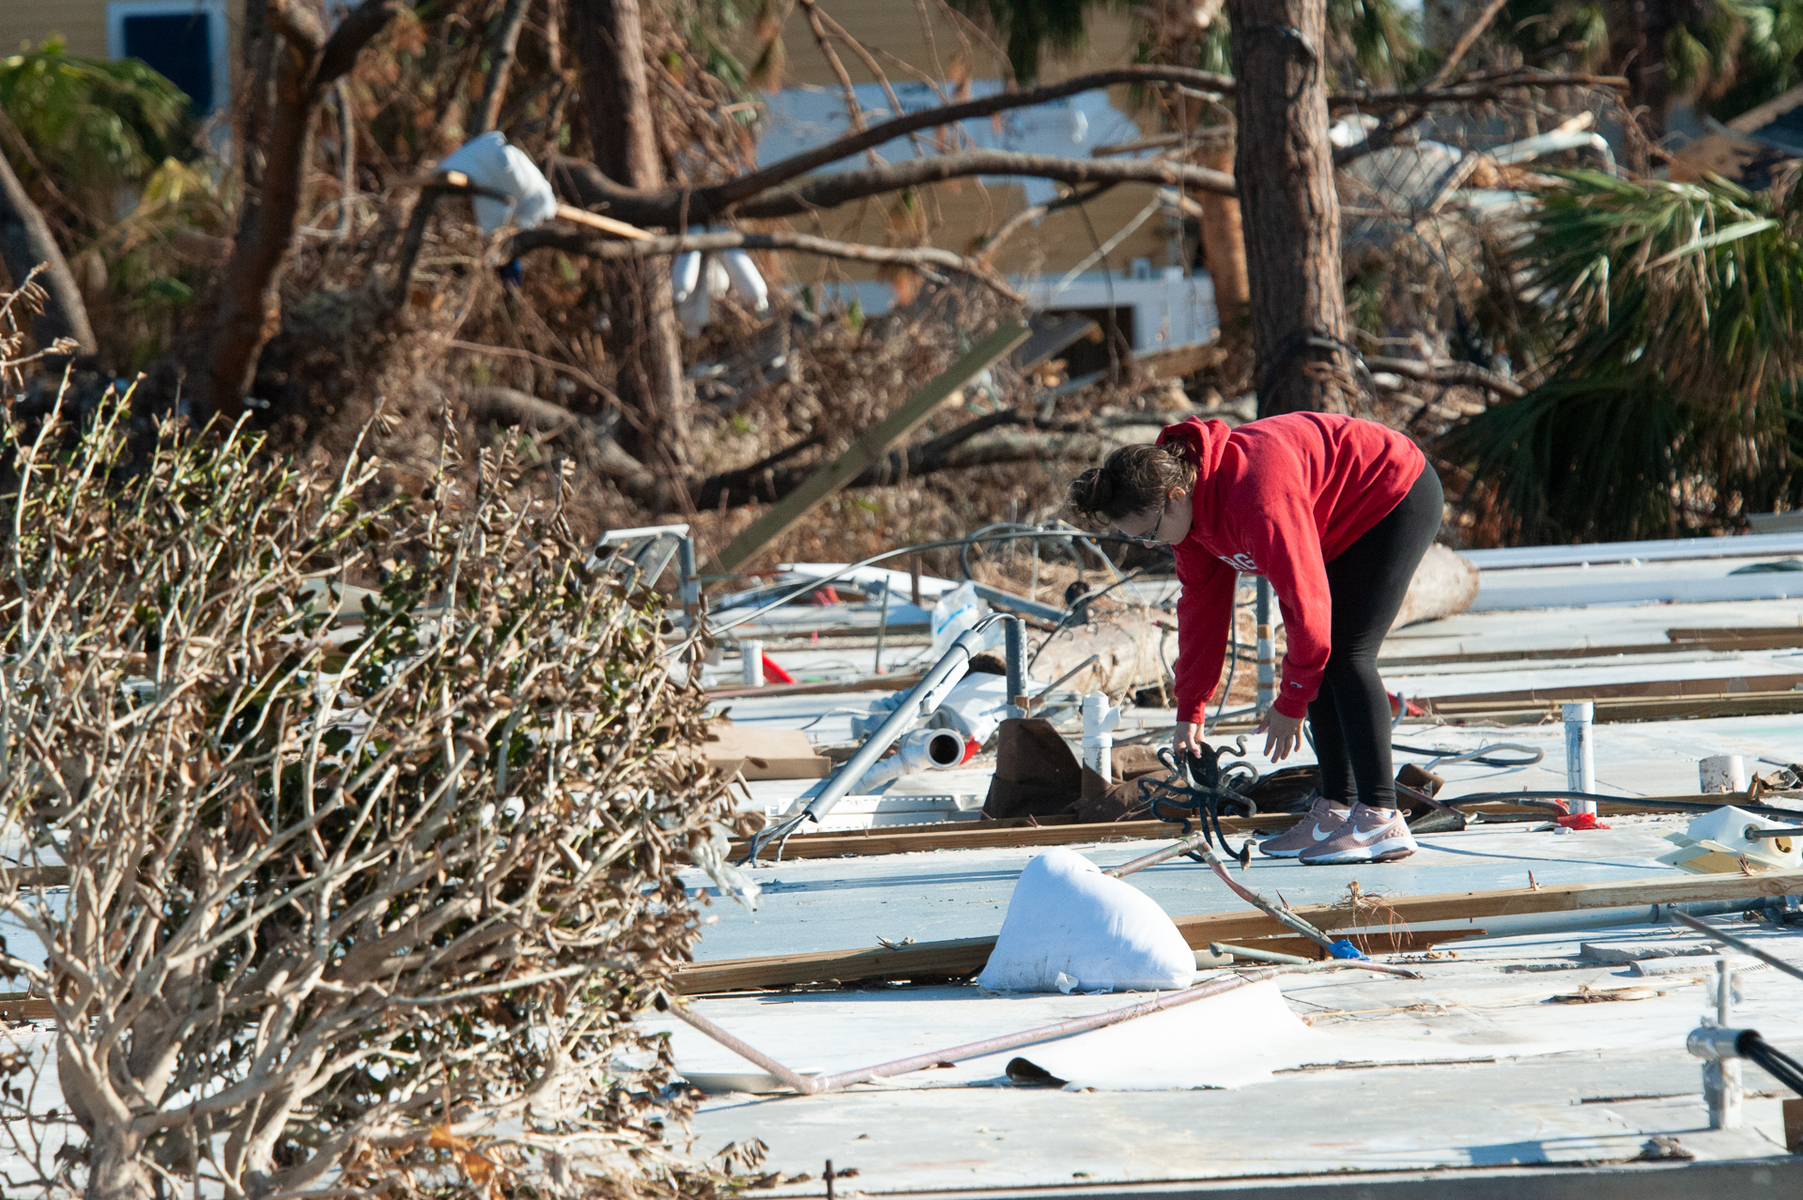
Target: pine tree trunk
x=1290, y=212
x=616, y=99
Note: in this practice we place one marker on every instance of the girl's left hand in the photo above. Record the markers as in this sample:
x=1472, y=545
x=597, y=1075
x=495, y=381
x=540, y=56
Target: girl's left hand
x=1283, y=735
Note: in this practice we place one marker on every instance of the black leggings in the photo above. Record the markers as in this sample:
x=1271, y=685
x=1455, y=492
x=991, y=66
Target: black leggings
x=1350, y=718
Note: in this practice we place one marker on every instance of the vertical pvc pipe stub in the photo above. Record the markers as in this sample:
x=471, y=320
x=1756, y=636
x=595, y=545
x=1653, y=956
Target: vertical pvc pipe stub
x=1580, y=754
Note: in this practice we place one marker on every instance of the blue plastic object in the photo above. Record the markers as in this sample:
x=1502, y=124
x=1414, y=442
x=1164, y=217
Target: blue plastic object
x=1345, y=949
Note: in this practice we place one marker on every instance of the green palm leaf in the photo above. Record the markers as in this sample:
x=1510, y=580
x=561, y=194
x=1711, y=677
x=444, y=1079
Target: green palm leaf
x=1671, y=317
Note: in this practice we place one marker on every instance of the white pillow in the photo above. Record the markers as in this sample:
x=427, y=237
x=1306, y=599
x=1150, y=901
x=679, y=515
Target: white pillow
x=1067, y=918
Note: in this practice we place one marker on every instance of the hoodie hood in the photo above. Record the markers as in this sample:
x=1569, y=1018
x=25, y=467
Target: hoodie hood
x=1204, y=441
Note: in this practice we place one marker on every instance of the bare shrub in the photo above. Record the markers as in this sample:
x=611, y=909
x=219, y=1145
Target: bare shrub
x=364, y=887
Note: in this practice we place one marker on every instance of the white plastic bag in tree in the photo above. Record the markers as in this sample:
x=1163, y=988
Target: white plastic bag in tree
x=491, y=163
x=1067, y=920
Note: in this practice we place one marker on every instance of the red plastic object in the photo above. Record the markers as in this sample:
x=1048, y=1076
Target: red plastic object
x=774, y=673
x=971, y=748
x=825, y=595
x=1583, y=820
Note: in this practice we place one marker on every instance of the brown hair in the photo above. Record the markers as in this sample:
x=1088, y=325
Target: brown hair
x=1132, y=480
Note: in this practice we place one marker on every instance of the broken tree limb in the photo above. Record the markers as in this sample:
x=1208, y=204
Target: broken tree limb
x=745, y=194
x=250, y=305
x=921, y=258
x=583, y=216
x=671, y=208
x=966, y=956
x=1468, y=374
x=761, y=482
x=869, y=446
x=1445, y=582
x=795, y=166
x=510, y=407
x=26, y=245
x=500, y=62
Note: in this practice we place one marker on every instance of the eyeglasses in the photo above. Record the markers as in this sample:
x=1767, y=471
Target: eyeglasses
x=1150, y=537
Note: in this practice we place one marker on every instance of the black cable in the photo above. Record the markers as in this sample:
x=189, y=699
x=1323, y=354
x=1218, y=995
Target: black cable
x=1484, y=761
x=1775, y=1062
x=812, y=585
x=1675, y=805
x=1087, y=599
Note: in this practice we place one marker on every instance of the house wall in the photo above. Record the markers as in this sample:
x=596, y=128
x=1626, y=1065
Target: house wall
x=80, y=23
x=959, y=213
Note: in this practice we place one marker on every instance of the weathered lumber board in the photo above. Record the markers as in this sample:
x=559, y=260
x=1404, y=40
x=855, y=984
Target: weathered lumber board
x=1728, y=704
x=966, y=956
x=1714, y=688
x=1770, y=638
x=1057, y=831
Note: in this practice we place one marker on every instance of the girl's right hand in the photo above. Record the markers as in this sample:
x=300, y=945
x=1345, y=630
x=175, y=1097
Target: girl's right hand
x=1188, y=738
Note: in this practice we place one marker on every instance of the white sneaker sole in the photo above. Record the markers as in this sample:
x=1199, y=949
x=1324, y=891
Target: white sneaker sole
x=1387, y=850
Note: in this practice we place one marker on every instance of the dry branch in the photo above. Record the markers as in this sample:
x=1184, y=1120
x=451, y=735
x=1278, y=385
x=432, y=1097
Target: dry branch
x=1468, y=374
x=26, y=244
x=333, y=886
x=922, y=258
x=500, y=62
x=668, y=209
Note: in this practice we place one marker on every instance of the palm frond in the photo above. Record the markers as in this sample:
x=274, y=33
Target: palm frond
x=1672, y=319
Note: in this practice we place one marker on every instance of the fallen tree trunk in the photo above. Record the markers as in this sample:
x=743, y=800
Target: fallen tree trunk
x=1444, y=584
x=977, y=443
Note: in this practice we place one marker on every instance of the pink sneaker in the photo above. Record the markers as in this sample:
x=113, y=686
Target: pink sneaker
x=1368, y=835
x=1306, y=834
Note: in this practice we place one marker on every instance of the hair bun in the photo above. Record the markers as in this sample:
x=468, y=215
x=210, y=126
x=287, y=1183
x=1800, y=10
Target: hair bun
x=1091, y=491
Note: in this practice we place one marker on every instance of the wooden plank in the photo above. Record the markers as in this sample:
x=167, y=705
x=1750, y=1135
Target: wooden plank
x=1066, y=831
x=1608, y=710
x=870, y=683
x=987, y=835
x=966, y=956
x=27, y=1010
x=1721, y=640
x=868, y=447
x=1758, y=637
x=1388, y=941
x=1715, y=688
x=764, y=753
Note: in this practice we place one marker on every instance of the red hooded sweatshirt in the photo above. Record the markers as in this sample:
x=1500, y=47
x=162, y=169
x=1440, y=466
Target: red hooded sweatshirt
x=1279, y=497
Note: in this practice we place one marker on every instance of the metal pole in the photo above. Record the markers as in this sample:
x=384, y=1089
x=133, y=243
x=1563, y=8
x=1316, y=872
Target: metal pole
x=882, y=630
x=1267, y=649
x=924, y=697
x=1740, y=944
x=1721, y=1076
x=691, y=584
x=751, y=661
x=1015, y=631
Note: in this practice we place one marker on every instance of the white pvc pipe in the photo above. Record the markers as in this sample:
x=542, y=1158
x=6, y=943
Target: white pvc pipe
x=751, y=655
x=922, y=750
x=1580, y=754
x=1099, y=721
x=924, y=698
